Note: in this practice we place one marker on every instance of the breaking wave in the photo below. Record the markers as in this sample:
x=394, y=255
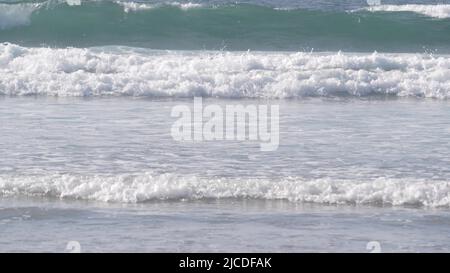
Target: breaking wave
x=12, y=15
x=148, y=186
x=435, y=11
x=123, y=71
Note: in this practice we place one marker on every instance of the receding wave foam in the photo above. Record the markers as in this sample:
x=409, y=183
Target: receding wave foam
x=12, y=15
x=147, y=187
x=436, y=11
x=137, y=72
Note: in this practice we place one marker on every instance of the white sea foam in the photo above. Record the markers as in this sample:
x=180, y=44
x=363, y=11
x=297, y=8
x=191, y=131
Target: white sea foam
x=137, y=6
x=133, y=72
x=12, y=15
x=134, y=6
x=186, y=6
x=73, y=2
x=147, y=186
x=436, y=11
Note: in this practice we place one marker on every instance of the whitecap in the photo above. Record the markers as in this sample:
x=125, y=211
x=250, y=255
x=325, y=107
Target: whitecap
x=436, y=11
x=145, y=187
x=274, y=75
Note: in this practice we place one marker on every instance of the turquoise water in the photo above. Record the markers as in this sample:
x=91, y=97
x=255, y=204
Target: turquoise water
x=225, y=26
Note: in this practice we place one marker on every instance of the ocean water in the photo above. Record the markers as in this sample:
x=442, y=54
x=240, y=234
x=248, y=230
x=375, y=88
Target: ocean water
x=86, y=151
x=348, y=25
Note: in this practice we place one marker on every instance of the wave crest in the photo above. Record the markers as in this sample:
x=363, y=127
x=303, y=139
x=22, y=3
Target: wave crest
x=436, y=11
x=122, y=71
x=148, y=186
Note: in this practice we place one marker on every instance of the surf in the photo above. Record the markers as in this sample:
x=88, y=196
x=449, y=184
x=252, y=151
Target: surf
x=147, y=187
x=137, y=72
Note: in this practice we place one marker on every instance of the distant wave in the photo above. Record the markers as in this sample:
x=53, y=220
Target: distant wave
x=436, y=11
x=194, y=26
x=147, y=187
x=19, y=14
x=123, y=71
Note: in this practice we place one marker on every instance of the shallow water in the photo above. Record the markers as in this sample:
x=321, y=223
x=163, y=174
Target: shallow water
x=341, y=138
x=217, y=226
x=107, y=173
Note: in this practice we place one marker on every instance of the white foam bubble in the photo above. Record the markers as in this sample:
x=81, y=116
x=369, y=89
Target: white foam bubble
x=133, y=72
x=12, y=15
x=147, y=186
x=437, y=11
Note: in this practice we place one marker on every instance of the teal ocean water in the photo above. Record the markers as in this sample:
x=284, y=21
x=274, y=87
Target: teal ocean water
x=354, y=26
